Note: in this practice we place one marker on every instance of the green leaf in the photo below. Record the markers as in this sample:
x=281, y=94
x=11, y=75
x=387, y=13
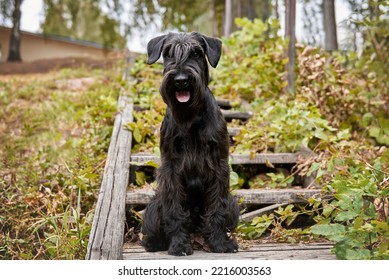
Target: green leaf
x=333, y=232
x=314, y=167
x=321, y=135
x=140, y=178
x=345, y=216
x=358, y=223
x=360, y=254
x=152, y=163
x=137, y=135
x=234, y=178
x=344, y=201
x=91, y=175
x=269, y=164
x=383, y=247
x=327, y=210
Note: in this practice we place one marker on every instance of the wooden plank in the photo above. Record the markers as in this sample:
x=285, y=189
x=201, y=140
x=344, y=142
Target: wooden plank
x=233, y=131
x=274, y=251
x=106, y=237
x=228, y=104
x=250, y=196
x=230, y=115
x=276, y=158
x=224, y=103
x=265, y=210
x=261, y=196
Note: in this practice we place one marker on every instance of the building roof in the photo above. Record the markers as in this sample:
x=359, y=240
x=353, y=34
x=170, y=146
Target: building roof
x=59, y=38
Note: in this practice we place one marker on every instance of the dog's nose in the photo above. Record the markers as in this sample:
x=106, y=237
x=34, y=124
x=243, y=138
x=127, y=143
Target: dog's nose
x=181, y=81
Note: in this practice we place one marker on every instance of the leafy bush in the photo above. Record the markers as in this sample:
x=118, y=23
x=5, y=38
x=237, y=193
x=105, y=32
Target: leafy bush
x=357, y=218
x=252, y=64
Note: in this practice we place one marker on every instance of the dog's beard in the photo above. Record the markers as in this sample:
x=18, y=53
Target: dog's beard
x=190, y=96
x=186, y=103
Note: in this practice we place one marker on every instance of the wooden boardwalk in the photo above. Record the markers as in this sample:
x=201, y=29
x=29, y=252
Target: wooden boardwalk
x=106, y=239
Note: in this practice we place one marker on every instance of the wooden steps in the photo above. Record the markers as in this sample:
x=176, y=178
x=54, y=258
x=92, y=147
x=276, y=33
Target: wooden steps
x=106, y=240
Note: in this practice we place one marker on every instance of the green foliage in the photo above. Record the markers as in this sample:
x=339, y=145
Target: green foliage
x=285, y=125
x=150, y=107
x=271, y=180
x=257, y=227
x=247, y=52
x=278, y=224
x=55, y=134
x=82, y=20
x=357, y=218
x=371, y=21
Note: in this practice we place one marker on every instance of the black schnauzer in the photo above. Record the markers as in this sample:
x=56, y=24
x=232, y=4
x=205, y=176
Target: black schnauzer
x=193, y=179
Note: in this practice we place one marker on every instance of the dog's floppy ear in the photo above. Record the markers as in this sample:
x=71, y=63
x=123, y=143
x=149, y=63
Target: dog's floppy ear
x=154, y=48
x=213, y=49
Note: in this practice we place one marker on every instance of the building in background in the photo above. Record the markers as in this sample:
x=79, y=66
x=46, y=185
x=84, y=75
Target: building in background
x=35, y=46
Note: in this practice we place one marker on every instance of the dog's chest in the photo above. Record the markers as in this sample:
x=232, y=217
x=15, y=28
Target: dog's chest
x=194, y=143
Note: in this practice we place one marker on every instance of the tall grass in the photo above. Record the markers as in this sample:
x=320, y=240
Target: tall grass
x=54, y=135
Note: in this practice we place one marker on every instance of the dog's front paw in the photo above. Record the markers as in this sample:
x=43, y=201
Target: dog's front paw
x=231, y=246
x=182, y=249
x=226, y=246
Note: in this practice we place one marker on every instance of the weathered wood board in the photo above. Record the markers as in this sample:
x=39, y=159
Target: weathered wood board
x=106, y=237
x=275, y=158
x=251, y=196
x=274, y=251
x=230, y=115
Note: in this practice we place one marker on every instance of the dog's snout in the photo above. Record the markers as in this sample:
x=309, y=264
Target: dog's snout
x=181, y=81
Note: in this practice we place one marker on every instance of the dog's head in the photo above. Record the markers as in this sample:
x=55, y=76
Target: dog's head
x=186, y=74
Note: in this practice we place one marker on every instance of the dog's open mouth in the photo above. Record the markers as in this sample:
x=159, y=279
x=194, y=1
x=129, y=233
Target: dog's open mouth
x=183, y=96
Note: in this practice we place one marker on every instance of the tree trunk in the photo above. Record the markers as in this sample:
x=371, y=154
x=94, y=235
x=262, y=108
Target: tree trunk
x=228, y=18
x=250, y=10
x=331, y=39
x=215, y=32
x=290, y=33
x=14, y=46
x=266, y=12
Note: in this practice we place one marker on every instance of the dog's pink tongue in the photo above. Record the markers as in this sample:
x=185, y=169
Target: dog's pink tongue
x=183, y=96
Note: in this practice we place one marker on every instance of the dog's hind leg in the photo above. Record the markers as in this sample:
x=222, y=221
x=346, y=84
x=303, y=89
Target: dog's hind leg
x=217, y=223
x=154, y=237
x=176, y=224
x=222, y=214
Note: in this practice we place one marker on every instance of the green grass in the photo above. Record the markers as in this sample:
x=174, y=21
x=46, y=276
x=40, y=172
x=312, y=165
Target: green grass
x=54, y=137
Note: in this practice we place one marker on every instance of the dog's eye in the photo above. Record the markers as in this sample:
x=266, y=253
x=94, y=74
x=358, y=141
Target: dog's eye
x=168, y=54
x=196, y=54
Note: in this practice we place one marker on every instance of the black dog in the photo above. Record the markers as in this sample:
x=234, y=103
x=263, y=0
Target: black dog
x=193, y=179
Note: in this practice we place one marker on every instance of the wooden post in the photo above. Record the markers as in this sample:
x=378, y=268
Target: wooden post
x=331, y=39
x=290, y=33
x=228, y=18
x=215, y=32
x=107, y=234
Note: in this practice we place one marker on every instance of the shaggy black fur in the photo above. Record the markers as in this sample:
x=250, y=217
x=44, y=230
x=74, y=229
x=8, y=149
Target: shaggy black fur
x=193, y=179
